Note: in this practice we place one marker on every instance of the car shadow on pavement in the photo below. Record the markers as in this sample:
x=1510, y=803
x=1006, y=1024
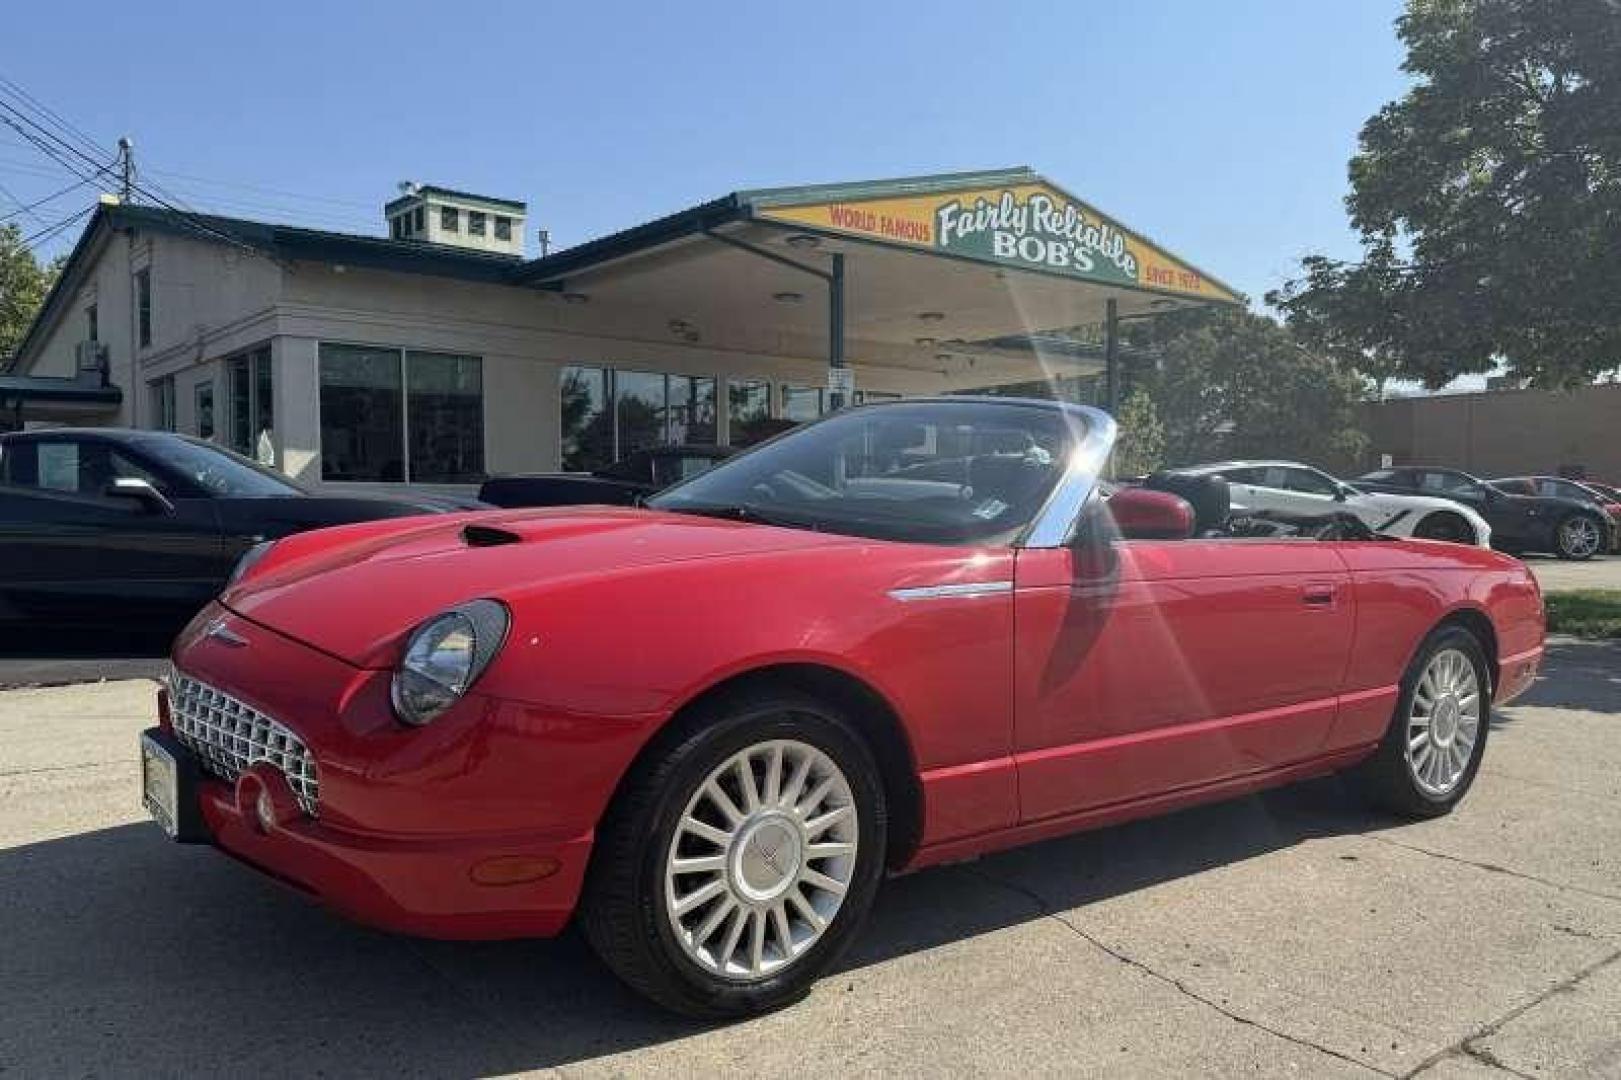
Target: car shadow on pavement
x=1588, y=677
x=43, y=657
x=127, y=954
x=123, y=953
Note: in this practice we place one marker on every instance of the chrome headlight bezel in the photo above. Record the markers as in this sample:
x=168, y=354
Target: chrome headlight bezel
x=443, y=658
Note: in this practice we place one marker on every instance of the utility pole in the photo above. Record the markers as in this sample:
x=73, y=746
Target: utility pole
x=126, y=168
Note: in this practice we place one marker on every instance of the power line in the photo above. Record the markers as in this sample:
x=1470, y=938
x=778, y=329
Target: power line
x=41, y=107
x=36, y=204
x=351, y=204
x=52, y=230
x=46, y=133
x=42, y=136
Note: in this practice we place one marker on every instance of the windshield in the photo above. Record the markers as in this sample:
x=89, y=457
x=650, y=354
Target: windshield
x=216, y=470
x=934, y=471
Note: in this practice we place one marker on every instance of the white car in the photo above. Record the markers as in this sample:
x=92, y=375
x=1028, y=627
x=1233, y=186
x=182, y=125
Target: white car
x=1289, y=487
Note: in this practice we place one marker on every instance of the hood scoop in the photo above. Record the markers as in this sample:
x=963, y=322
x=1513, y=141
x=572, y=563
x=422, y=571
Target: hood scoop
x=482, y=536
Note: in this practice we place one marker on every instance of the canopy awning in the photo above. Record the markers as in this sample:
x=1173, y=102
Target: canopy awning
x=967, y=275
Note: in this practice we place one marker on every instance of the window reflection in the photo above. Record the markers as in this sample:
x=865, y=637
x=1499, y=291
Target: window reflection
x=445, y=418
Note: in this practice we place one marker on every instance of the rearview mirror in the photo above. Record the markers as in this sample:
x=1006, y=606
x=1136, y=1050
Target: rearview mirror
x=142, y=491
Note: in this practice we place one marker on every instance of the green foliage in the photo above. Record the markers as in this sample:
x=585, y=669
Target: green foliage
x=1141, y=446
x=1588, y=613
x=23, y=285
x=1232, y=384
x=1488, y=199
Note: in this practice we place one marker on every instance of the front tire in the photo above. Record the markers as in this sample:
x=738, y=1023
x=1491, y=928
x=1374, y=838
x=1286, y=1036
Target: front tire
x=1578, y=537
x=740, y=859
x=1432, y=750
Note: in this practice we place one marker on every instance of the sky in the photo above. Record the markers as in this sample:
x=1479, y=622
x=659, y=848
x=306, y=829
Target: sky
x=1222, y=131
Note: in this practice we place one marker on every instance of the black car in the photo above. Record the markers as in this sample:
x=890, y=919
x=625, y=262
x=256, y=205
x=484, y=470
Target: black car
x=139, y=529
x=1569, y=528
x=639, y=474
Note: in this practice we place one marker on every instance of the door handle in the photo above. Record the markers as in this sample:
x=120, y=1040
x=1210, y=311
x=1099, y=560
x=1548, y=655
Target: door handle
x=1319, y=595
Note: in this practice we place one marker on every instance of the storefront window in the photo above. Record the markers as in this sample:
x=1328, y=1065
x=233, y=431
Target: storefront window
x=163, y=403
x=648, y=409
x=203, y=399
x=362, y=418
x=446, y=418
x=692, y=410
x=801, y=403
x=748, y=411
x=372, y=397
x=639, y=399
x=588, y=435
x=251, y=405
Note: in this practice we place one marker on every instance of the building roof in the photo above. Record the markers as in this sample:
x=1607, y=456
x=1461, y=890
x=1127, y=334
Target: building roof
x=280, y=242
x=803, y=208
x=452, y=193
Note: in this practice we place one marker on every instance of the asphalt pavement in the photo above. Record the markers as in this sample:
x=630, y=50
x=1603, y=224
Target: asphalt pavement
x=1292, y=934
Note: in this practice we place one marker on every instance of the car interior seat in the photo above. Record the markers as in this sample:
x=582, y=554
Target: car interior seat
x=1012, y=478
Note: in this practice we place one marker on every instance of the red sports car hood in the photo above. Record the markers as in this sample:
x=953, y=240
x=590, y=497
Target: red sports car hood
x=353, y=592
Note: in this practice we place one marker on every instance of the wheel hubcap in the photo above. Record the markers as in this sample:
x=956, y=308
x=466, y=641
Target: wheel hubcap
x=1444, y=722
x=761, y=859
x=1581, y=537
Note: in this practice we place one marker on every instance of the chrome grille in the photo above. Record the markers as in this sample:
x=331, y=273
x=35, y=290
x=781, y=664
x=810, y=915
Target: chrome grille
x=230, y=736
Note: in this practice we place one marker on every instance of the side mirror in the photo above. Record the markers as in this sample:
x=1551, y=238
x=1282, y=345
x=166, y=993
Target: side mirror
x=1341, y=493
x=142, y=491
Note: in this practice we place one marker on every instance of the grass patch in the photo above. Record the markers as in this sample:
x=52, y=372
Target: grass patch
x=1587, y=613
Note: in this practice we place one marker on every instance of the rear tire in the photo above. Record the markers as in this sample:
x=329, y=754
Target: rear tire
x=1437, y=737
x=1444, y=526
x=780, y=891
x=1578, y=537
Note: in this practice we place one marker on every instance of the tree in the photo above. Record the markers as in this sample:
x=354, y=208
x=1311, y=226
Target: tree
x=1141, y=446
x=23, y=285
x=1488, y=200
x=1232, y=384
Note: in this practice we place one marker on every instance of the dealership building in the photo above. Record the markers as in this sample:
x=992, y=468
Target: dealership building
x=438, y=353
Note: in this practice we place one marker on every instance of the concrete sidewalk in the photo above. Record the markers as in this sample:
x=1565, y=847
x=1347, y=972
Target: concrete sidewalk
x=1289, y=935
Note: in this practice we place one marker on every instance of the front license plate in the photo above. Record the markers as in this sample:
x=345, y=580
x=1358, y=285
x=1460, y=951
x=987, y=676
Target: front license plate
x=160, y=785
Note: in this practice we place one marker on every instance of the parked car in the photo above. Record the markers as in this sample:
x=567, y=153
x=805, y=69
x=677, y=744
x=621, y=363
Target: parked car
x=1288, y=487
x=632, y=477
x=1609, y=491
x=1561, y=487
x=139, y=529
x=707, y=727
x=1568, y=528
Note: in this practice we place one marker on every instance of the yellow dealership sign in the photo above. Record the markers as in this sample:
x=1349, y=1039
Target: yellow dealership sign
x=1030, y=226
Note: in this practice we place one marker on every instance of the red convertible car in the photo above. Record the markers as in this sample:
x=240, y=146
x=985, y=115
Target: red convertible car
x=706, y=728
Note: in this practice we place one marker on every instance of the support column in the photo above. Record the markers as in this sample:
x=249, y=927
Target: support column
x=1111, y=356
x=835, y=326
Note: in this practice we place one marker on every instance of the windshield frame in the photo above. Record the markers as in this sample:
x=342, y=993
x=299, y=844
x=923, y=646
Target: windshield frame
x=1053, y=524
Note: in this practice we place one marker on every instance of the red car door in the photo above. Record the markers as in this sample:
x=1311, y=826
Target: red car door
x=1180, y=663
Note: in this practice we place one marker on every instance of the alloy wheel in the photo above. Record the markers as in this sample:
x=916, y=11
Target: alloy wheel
x=762, y=857
x=1443, y=723
x=1579, y=537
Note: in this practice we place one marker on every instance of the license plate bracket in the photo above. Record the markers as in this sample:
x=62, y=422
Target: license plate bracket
x=169, y=777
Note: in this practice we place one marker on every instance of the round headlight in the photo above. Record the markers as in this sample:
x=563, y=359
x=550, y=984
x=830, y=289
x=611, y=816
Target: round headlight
x=444, y=656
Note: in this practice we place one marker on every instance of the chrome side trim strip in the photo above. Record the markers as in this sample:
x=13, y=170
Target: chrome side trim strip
x=959, y=591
